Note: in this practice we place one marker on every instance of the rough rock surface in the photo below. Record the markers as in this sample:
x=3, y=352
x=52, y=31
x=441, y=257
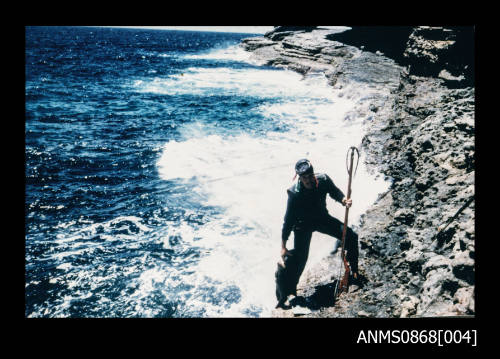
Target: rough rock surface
x=417, y=240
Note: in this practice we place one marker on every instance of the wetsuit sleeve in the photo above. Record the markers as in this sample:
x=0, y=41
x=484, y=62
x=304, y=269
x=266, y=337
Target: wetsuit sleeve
x=333, y=190
x=289, y=220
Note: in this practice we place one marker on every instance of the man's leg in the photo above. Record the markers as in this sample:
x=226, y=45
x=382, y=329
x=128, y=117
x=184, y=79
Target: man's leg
x=301, y=243
x=333, y=227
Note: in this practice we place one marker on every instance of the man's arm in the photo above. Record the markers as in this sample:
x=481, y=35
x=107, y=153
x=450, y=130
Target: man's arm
x=287, y=224
x=334, y=191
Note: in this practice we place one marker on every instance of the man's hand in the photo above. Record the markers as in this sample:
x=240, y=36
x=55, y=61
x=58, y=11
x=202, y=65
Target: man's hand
x=284, y=252
x=347, y=202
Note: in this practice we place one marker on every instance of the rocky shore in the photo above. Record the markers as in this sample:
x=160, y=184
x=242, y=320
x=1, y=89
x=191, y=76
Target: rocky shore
x=417, y=242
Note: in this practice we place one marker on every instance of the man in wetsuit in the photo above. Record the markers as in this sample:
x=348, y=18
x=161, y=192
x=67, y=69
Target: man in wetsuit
x=306, y=212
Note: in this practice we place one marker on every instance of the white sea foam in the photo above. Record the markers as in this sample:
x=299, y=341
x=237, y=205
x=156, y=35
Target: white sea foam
x=263, y=83
x=229, y=53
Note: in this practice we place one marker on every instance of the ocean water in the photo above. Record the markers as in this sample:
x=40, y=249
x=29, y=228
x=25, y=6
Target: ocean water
x=157, y=164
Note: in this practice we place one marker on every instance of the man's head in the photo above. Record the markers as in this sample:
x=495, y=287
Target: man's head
x=305, y=170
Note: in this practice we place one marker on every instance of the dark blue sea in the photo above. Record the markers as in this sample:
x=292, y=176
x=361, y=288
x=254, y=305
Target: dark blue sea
x=156, y=168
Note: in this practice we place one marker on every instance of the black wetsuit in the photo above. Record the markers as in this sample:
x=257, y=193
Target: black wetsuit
x=306, y=212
